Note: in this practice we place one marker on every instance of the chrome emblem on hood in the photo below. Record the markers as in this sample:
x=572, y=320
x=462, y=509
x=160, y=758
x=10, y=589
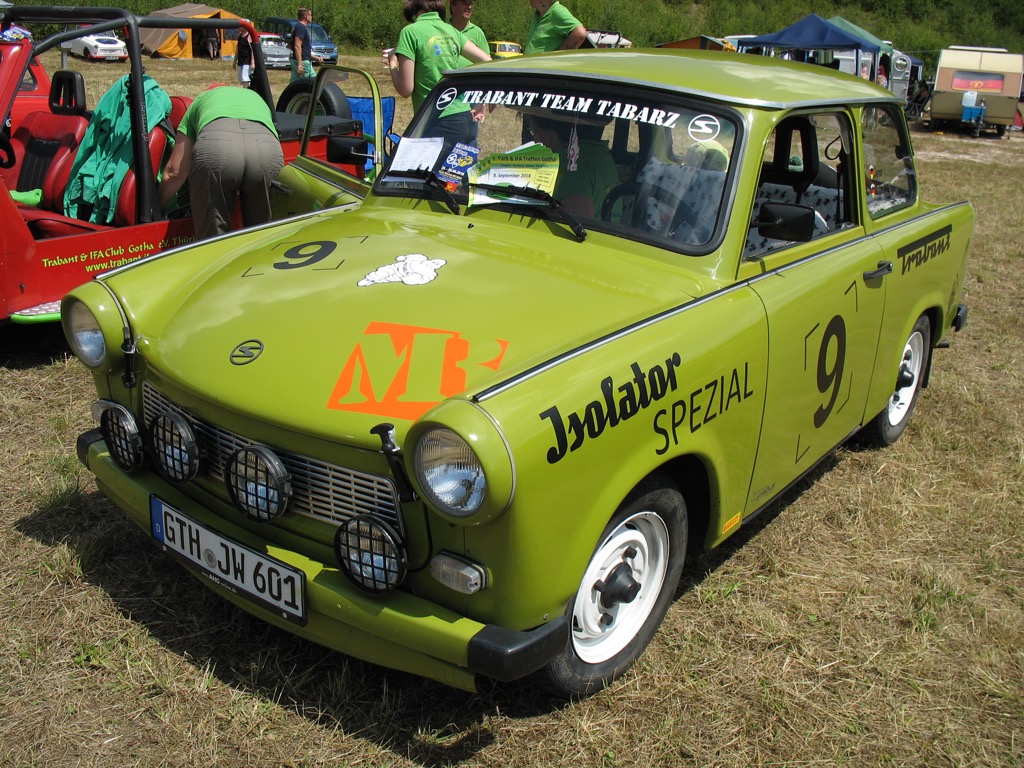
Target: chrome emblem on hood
x=246, y=352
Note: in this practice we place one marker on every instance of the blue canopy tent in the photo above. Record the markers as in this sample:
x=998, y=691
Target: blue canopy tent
x=813, y=33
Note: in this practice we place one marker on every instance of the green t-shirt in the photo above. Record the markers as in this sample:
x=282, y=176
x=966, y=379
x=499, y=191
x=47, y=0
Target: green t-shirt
x=595, y=173
x=434, y=47
x=240, y=103
x=548, y=32
x=476, y=36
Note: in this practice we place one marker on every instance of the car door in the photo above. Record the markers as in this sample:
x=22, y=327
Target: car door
x=333, y=169
x=823, y=298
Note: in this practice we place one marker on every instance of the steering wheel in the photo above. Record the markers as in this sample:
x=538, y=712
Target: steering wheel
x=7, y=158
x=630, y=214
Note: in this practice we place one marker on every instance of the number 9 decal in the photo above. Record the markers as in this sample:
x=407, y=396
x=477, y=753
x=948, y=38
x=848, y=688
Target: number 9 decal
x=830, y=377
x=306, y=255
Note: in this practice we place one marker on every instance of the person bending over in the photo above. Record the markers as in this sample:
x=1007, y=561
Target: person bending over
x=229, y=151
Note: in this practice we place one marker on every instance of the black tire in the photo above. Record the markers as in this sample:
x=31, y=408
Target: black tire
x=625, y=591
x=296, y=98
x=886, y=428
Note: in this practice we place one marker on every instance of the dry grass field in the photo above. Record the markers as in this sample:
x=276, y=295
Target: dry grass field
x=876, y=617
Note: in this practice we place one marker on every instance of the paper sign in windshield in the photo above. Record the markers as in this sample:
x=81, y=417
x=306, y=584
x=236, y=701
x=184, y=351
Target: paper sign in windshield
x=417, y=154
x=459, y=161
x=531, y=165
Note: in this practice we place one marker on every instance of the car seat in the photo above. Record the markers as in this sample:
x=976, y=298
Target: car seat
x=45, y=143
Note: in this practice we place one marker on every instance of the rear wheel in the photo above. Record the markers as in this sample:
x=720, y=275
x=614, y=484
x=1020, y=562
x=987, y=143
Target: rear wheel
x=886, y=427
x=625, y=591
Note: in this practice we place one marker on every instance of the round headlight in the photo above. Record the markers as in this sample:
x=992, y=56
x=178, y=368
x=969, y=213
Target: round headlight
x=450, y=472
x=370, y=553
x=174, y=447
x=258, y=483
x=84, y=335
x=122, y=436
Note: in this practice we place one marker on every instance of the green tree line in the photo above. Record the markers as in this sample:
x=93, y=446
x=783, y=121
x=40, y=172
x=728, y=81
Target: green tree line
x=919, y=27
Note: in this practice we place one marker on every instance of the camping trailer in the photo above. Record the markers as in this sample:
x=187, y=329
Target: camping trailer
x=977, y=78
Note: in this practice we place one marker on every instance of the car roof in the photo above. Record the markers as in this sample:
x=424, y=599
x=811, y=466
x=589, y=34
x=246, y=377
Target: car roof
x=734, y=78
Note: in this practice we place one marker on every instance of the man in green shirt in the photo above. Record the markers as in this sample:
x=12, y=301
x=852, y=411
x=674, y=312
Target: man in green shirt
x=553, y=28
x=228, y=149
x=460, y=11
x=586, y=169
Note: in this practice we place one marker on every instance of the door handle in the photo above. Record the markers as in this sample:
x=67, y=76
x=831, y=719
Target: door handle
x=884, y=268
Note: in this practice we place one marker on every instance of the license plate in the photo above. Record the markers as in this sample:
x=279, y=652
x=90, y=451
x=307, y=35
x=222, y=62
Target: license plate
x=244, y=571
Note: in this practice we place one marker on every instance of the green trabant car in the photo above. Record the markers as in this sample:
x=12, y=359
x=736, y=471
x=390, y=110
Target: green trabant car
x=598, y=310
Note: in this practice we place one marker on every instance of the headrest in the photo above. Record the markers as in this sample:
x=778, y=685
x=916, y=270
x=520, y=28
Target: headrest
x=67, y=92
x=795, y=137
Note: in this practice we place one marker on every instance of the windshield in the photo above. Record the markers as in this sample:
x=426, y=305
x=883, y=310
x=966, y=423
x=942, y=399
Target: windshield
x=319, y=34
x=640, y=163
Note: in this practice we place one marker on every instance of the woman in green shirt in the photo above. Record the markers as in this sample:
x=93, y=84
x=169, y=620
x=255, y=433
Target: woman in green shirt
x=426, y=48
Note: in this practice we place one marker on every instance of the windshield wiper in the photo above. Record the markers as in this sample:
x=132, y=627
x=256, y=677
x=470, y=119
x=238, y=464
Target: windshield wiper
x=538, y=194
x=432, y=182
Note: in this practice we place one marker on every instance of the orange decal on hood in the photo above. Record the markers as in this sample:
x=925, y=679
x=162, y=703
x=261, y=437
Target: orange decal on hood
x=401, y=371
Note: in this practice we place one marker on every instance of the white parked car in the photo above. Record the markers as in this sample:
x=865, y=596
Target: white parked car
x=104, y=47
x=275, y=52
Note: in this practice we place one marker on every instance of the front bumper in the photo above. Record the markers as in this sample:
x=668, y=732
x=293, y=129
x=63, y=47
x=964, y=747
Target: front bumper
x=396, y=630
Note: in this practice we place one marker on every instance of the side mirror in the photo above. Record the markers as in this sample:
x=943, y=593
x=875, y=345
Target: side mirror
x=347, y=150
x=785, y=221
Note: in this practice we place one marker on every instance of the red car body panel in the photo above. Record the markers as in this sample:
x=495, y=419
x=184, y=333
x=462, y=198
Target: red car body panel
x=39, y=264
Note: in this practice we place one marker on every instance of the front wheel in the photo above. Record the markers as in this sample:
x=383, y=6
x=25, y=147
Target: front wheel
x=886, y=427
x=625, y=591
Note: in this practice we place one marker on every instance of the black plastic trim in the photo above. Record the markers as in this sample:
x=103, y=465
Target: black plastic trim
x=960, y=318
x=506, y=654
x=84, y=441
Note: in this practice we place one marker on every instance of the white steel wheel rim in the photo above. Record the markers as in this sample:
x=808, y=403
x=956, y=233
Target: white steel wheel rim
x=594, y=638
x=903, y=398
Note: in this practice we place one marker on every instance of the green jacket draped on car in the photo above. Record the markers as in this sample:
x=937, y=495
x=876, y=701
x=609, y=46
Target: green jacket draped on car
x=106, y=153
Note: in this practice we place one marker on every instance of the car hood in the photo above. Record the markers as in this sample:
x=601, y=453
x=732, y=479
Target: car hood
x=337, y=321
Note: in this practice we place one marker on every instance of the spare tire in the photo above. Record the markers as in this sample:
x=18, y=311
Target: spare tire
x=296, y=97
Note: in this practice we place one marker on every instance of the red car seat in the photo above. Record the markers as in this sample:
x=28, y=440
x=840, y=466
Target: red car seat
x=45, y=143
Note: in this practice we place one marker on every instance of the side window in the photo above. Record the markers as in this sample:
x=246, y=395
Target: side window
x=890, y=181
x=28, y=81
x=805, y=163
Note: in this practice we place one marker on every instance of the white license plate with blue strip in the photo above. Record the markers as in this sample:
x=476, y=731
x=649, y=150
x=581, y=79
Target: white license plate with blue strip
x=244, y=571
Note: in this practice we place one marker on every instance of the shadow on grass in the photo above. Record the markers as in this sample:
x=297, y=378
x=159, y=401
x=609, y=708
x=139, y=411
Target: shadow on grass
x=28, y=346
x=703, y=564
x=417, y=719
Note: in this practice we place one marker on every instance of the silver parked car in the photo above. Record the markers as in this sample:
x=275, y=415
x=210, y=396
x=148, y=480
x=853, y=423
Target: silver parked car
x=275, y=53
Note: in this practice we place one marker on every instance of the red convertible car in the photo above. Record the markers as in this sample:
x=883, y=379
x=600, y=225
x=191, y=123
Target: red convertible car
x=48, y=248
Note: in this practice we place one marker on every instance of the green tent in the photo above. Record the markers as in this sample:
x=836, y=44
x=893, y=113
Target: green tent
x=884, y=48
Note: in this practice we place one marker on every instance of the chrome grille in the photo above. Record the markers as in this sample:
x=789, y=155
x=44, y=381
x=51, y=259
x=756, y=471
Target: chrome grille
x=322, y=491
